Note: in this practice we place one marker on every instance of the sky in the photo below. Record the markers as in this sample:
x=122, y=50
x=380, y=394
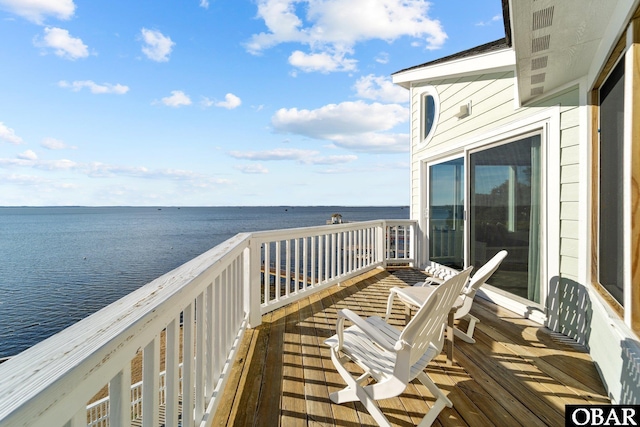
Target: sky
x=217, y=102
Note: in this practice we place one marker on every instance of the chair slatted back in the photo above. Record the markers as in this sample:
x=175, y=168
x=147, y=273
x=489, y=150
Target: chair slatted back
x=428, y=324
x=484, y=272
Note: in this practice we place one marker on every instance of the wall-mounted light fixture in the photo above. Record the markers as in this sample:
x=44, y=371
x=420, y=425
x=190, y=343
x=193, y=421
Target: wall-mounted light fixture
x=465, y=111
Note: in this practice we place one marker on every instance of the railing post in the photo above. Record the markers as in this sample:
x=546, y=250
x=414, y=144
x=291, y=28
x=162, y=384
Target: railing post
x=251, y=279
x=381, y=243
x=413, y=244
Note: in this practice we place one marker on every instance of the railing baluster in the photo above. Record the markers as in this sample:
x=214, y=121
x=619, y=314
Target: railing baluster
x=305, y=262
x=235, y=289
x=333, y=255
x=339, y=254
x=267, y=272
x=209, y=340
x=320, y=257
x=187, y=367
x=296, y=270
x=360, y=248
x=277, y=268
x=199, y=360
x=287, y=267
x=120, y=397
x=218, y=356
x=352, y=253
x=313, y=260
x=228, y=311
x=327, y=257
x=172, y=379
x=150, y=383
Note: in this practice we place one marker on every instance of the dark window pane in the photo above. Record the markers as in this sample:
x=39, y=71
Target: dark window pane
x=611, y=250
x=429, y=114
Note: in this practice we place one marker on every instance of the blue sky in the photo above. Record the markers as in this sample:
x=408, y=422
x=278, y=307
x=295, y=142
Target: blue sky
x=217, y=102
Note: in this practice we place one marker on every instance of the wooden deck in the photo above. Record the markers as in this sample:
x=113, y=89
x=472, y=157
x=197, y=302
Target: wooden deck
x=517, y=373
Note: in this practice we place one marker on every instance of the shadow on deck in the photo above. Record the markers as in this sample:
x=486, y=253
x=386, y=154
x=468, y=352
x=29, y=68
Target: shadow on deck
x=517, y=373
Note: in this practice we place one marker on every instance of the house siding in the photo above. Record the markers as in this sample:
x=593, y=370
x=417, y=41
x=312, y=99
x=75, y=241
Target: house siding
x=493, y=105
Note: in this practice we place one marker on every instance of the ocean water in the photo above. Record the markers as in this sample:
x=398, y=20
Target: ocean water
x=61, y=264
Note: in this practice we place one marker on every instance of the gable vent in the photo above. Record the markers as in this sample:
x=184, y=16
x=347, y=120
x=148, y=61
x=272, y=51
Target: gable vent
x=540, y=43
x=536, y=91
x=543, y=18
x=537, y=63
x=538, y=78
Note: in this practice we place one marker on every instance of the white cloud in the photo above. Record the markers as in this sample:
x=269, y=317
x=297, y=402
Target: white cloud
x=231, y=101
x=29, y=159
x=354, y=125
x=177, y=99
x=204, y=4
x=331, y=28
x=324, y=61
x=206, y=102
x=62, y=43
x=9, y=135
x=307, y=157
x=330, y=160
x=28, y=155
x=380, y=88
x=55, y=144
x=96, y=88
x=276, y=154
x=157, y=46
x=24, y=179
x=374, y=142
x=252, y=169
x=382, y=58
x=36, y=10
x=336, y=119
x=496, y=18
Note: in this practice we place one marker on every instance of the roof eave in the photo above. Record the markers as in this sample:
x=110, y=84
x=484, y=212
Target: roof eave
x=494, y=61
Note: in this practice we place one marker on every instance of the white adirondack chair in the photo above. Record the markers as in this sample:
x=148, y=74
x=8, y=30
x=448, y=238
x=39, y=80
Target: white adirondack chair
x=414, y=296
x=393, y=358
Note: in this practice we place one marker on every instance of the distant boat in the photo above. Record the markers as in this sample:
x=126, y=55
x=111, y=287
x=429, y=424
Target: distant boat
x=336, y=218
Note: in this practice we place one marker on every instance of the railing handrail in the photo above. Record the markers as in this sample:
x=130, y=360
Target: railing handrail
x=45, y=383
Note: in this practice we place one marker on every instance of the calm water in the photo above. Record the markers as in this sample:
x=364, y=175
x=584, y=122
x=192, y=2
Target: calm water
x=58, y=265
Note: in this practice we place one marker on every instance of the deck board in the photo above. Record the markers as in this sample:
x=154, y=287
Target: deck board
x=517, y=373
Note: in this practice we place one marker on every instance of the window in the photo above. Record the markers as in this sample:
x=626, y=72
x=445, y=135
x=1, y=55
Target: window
x=429, y=113
x=611, y=185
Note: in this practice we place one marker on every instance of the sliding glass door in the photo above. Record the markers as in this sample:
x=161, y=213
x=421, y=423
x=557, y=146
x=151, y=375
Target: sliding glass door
x=446, y=213
x=505, y=213
x=503, y=187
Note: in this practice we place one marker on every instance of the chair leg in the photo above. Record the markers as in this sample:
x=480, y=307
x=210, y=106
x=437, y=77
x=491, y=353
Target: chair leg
x=468, y=335
x=354, y=391
x=389, y=305
x=442, y=400
x=351, y=392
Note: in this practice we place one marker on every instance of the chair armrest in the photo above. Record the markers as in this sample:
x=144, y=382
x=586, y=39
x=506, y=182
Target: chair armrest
x=430, y=281
x=371, y=332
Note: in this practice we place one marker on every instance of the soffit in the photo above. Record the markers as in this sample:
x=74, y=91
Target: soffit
x=555, y=41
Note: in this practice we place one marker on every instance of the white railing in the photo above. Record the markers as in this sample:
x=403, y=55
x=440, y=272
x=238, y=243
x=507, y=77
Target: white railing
x=196, y=314
x=98, y=411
